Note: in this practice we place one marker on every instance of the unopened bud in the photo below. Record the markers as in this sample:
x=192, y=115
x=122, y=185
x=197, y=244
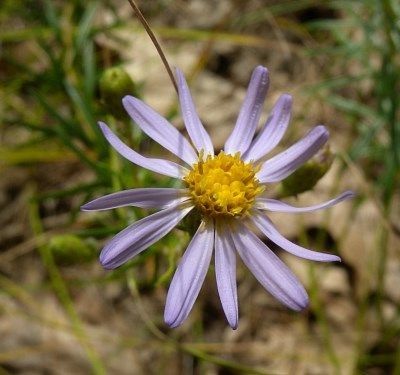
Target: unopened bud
x=114, y=84
x=68, y=249
x=190, y=222
x=307, y=176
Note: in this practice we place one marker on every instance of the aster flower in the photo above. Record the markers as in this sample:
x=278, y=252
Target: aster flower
x=226, y=189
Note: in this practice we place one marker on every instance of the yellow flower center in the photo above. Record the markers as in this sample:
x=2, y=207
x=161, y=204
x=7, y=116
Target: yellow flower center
x=223, y=185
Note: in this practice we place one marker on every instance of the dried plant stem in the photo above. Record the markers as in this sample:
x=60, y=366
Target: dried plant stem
x=154, y=40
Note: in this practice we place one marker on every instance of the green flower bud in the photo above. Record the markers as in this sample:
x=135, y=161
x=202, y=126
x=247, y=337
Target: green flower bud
x=190, y=222
x=114, y=84
x=307, y=176
x=68, y=249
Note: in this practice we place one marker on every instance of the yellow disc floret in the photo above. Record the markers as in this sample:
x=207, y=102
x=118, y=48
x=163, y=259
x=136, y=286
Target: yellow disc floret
x=223, y=185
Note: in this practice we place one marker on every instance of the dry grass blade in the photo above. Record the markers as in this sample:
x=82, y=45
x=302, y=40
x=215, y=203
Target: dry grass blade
x=155, y=41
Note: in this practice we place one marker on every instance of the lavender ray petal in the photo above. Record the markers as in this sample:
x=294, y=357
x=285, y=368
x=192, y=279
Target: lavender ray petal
x=269, y=270
x=159, y=129
x=140, y=235
x=189, y=276
x=194, y=127
x=265, y=225
x=225, y=272
x=273, y=130
x=285, y=163
x=250, y=113
x=165, y=167
x=278, y=206
x=144, y=198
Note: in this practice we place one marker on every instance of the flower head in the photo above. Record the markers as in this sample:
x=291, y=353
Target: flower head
x=226, y=190
x=223, y=186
